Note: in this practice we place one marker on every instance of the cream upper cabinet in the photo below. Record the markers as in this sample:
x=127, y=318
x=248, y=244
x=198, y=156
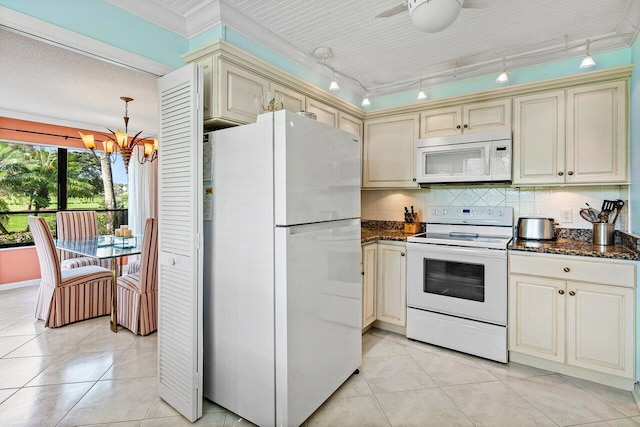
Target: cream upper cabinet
x=324, y=113
x=208, y=100
x=350, y=124
x=237, y=88
x=576, y=311
x=486, y=116
x=391, y=298
x=538, y=138
x=577, y=136
x=389, y=152
x=369, y=278
x=597, y=133
x=292, y=100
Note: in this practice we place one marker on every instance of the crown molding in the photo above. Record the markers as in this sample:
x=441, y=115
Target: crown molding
x=189, y=25
x=52, y=34
x=591, y=77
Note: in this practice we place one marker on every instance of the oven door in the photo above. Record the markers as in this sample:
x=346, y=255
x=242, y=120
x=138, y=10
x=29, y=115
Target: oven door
x=465, y=282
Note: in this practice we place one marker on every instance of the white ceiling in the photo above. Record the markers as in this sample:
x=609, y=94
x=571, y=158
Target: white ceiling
x=389, y=55
x=386, y=55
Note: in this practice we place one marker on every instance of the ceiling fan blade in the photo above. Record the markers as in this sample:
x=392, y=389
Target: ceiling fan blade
x=402, y=7
x=476, y=4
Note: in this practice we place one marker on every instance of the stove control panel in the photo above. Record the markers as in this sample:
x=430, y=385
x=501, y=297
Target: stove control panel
x=480, y=215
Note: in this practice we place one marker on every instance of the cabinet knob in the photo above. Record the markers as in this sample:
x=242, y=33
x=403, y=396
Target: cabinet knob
x=458, y=127
x=466, y=126
x=401, y=253
x=572, y=293
x=560, y=173
x=362, y=272
x=414, y=180
x=566, y=269
x=570, y=173
x=561, y=292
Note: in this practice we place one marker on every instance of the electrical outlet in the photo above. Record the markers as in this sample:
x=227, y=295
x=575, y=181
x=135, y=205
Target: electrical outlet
x=567, y=215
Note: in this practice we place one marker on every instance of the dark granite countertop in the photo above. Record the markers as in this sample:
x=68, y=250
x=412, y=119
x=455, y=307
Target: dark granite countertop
x=382, y=230
x=574, y=247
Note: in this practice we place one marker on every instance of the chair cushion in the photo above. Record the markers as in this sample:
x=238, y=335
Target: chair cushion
x=81, y=275
x=133, y=267
x=130, y=282
x=84, y=261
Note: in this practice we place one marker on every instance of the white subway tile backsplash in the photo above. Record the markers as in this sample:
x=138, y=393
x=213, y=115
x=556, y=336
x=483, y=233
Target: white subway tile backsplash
x=388, y=205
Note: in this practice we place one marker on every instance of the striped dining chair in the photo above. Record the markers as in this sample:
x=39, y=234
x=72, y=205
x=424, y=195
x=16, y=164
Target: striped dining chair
x=138, y=292
x=77, y=225
x=70, y=295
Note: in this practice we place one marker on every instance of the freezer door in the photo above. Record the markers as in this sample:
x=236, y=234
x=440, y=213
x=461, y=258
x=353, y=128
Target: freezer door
x=316, y=171
x=318, y=306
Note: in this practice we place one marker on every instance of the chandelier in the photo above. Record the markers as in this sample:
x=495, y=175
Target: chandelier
x=120, y=141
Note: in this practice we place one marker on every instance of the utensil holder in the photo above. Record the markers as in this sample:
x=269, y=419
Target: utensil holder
x=412, y=227
x=603, y=233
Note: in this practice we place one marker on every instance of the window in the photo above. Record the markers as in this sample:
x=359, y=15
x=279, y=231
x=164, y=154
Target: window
x=43, y=179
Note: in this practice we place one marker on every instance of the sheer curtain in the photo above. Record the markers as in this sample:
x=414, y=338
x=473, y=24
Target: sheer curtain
x=143, y=192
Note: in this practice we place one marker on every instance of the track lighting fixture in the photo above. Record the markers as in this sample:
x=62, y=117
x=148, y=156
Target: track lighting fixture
x=334, y=84
x=365, y=100
x=421, y=94
x=588, y=61
x=503, y=77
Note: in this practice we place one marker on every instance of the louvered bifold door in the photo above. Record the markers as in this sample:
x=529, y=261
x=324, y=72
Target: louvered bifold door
x=179, y=241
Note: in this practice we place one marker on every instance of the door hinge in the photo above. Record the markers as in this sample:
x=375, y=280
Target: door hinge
x=196, y=381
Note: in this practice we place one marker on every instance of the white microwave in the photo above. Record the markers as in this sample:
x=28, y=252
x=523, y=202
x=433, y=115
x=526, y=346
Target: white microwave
x=480, y=157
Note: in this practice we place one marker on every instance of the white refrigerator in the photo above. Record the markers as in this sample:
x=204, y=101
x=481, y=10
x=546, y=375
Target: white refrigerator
x=282, y=263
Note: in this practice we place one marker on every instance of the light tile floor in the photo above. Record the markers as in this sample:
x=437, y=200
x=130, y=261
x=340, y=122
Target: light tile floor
x=83, y=374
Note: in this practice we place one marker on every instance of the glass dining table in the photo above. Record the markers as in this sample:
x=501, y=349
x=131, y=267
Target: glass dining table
x=106, y=247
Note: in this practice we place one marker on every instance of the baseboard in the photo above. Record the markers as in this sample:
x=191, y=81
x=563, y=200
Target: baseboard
x=23, y=284
x=390, y=327
x=574, y=371
x=636, y=394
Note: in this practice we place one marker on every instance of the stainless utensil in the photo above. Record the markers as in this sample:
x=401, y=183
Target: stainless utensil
x=618, y=208
x=589, y=215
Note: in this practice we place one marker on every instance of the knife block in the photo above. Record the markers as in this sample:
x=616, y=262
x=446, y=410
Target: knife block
x=412, y=227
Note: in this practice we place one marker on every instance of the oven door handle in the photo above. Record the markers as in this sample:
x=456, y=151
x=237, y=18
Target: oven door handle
x=437, y=251
x=461, y=234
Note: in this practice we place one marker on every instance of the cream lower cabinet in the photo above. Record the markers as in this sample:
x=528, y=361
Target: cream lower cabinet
x=392, y=278
x=369, y=288
x=388, y=158
x=575, y=311
x=384, y=284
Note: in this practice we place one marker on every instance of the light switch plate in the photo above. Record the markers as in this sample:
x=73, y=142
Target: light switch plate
x=567, y=215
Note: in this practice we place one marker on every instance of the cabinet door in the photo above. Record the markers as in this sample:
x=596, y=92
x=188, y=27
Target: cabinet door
x=237, y=87
x=538, y=139
x=600, y=328
x=596, y=133
x=486, y=116
x=350, y=124
x=441, y=122
x=325, y=113
x=369, y=270
x=389, y=152
x=392, y=299
x=536, y=316
x=292, y=100
x=208, y=75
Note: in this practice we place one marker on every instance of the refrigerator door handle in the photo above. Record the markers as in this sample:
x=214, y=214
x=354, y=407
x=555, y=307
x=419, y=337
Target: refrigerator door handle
x=318, y=226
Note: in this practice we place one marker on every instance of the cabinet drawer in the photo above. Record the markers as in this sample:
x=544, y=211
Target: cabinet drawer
x=583, y=269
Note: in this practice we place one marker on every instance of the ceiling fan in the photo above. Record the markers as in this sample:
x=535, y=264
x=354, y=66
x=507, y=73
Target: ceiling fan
x=432, y=16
